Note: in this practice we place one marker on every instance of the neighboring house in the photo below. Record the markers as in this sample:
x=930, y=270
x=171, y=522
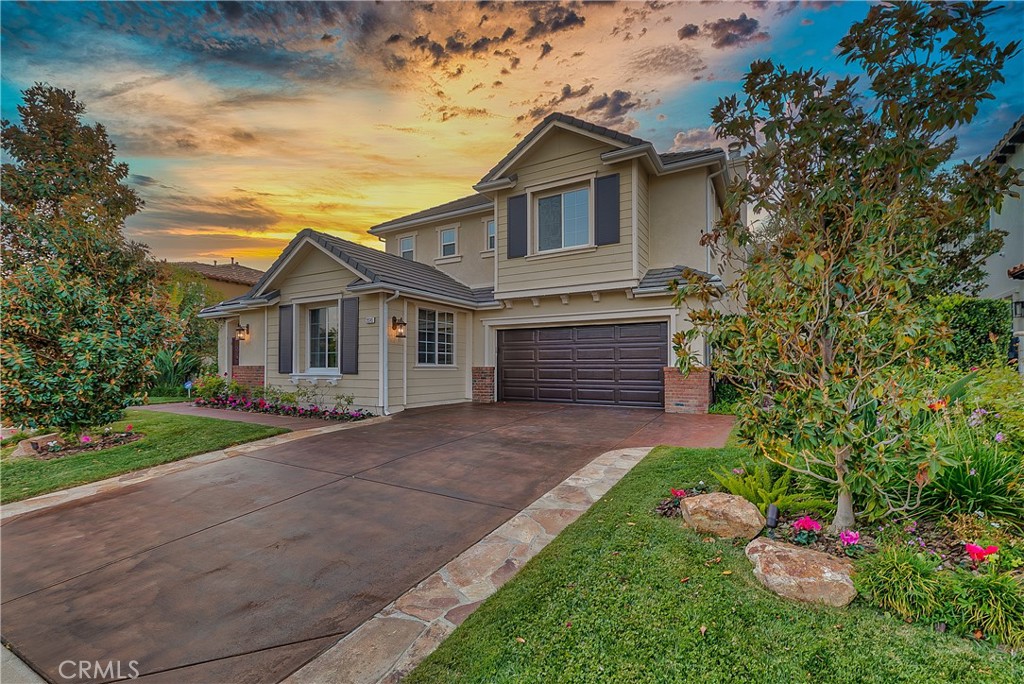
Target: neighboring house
x=1006, y=269
x=227, y=280
x=551, y=283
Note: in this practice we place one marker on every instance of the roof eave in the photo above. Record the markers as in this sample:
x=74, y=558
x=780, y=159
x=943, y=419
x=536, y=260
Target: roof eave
x=496, y=184
x=390, y=227
x=367, y=288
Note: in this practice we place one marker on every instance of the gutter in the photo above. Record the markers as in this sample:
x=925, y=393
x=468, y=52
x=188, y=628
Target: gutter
x=496, y=184
x=411, y=223
x=647, y=151
x=421, y=294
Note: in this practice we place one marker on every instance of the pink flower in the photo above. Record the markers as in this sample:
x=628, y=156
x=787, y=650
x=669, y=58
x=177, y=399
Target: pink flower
x=849, y=537
x=739, y=471
x=678, y=493
x=128, y=428
x=979, y=554
x=86, y=439
x=807, y=524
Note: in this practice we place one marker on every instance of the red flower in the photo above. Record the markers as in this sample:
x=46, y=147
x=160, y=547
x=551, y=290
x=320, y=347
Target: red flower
x=678, y=493
x=979, y=554
x=938, y=405
x=128, y=428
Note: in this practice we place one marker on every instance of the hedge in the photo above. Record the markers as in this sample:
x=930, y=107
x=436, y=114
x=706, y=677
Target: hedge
x=971, y=321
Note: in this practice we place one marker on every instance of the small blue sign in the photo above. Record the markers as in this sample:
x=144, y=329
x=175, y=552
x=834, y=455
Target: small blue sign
x=188, y=384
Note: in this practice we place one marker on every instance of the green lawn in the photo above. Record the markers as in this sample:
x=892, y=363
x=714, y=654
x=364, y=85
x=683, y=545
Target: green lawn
x=166, y=400
x=605, y=602
x=168, y=437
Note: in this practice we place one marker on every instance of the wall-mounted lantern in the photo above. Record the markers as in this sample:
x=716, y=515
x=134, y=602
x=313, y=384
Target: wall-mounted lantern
x=242, y=334
x=398, y=325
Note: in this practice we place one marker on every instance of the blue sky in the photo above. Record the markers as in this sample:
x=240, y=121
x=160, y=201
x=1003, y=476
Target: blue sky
x=245, y=122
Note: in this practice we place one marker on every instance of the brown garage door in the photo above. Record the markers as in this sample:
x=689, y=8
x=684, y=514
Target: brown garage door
x=592, y=364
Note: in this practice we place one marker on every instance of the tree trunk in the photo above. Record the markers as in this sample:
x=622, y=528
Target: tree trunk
x=844, y=519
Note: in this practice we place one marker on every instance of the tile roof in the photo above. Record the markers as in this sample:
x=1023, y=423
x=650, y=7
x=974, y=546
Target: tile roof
x=629, y=140
x=676, y=157
x=1016, y=272
x=463, y=204
x=228, y=273
x=659, y=278
x=1009, y=142
x=379, y=268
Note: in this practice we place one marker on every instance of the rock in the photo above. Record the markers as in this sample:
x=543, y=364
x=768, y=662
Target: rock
x=723, y=515
x=35, y=445
x=802, y=574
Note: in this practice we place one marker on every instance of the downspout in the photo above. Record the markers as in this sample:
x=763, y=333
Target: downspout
x=384, y=352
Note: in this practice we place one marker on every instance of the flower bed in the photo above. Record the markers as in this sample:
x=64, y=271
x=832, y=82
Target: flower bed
x=260, y=405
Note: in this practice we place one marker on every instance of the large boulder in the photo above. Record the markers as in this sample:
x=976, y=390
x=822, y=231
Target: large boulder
x=802, y=574
x=723, y=515
x=34, y=446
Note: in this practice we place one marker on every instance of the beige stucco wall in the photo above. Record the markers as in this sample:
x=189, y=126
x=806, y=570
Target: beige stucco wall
x=1010, y=219
x=473, y=265
x=563, y=155
x=678, y=215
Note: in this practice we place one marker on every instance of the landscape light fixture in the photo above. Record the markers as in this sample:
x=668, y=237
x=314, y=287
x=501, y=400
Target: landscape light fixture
x=398, y=325
x=242, y=334
x=772, y=520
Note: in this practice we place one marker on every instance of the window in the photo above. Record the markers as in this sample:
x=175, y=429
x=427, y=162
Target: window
x=448, y=242
x=491, y=239
x=563, y=220
x=435, y=341
x=323, y=338
x=407, y=247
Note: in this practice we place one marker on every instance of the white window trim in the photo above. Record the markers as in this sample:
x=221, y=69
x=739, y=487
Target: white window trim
x=487, y=237
x=537, y=192
x=411, y=236
x=441, y=256
x=308, y=371
x=454, y=365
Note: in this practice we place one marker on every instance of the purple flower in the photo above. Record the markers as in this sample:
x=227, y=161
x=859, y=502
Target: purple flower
x=1000, y=437
x=973, y=471
x=738, y=471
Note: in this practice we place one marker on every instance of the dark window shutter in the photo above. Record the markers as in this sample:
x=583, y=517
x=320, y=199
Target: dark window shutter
x=234, y=351
x=516, y=226
x=350, y=335
x=606, y=210
x=285, y=343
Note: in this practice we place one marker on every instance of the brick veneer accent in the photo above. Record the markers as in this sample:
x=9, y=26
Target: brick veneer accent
x=483, y=384
x=687, y=393
x=250, y=376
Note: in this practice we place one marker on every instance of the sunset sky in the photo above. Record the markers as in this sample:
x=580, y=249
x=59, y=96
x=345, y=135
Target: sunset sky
x=245, y=122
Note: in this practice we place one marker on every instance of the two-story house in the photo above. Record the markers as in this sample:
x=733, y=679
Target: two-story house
x=551, y=283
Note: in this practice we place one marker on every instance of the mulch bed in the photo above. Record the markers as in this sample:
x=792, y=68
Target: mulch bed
x=929, y=537
x=97, y=444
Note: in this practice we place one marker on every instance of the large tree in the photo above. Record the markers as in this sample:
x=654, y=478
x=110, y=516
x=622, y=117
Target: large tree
x=854, y=195
x=82, y=311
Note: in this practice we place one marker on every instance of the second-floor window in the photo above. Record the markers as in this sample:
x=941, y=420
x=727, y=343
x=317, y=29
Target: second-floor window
x=407, y=247
x=492, y=236
x=448, y=245
x=563, y=220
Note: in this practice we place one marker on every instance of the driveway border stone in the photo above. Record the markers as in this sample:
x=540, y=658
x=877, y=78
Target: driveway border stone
x=388, y=646
x=43, y=501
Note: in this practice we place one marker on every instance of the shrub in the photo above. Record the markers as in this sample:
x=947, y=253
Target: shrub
x=209, y=387
x=990, y=602
x=987, y=479
x=972, y=321
x=900, y=581
x=761, y=488
x=173, y=368
x=1000, y=391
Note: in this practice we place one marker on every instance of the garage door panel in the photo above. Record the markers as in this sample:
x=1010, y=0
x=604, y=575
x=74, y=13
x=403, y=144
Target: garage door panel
x=557, y=354
x=596, y=354
x=600, y=364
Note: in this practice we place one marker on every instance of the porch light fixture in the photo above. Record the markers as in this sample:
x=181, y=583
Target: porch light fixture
x=242, y=334
x=1018, y=308
x=398, y=325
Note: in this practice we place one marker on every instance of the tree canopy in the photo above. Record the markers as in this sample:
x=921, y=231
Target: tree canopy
x=857, y=197
x=82, y=314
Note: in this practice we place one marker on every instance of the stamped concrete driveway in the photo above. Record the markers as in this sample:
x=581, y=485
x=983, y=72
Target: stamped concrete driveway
x=245, y=569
